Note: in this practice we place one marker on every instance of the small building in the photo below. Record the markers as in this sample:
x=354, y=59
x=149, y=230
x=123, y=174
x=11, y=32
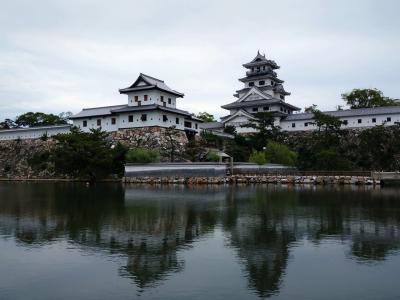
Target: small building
x=151, y=103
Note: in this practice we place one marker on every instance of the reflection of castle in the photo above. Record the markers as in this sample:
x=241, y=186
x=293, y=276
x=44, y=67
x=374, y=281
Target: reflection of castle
x=149, y=232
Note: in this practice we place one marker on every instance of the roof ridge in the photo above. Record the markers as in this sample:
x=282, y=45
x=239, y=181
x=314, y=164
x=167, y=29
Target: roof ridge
x=104, y=106
x=142, y=74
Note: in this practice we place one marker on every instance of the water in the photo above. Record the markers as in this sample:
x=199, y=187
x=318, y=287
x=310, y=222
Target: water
x=69, y=241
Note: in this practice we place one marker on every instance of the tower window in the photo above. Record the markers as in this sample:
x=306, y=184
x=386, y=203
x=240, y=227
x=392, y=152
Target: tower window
x=389, y=119
x=169, y=101
x=359, y=121
x=143, y=117
x=130, y=119
x=177, y=121
x=98, y=122
x=282, y=97
x=113, y=121
x=293, y=125
x=305, y=124
x=251, y=83
x=162, y=98
x=136, y=98
x=164, y=118
x=345, y=122
x=188, y=124
x=145, y=97
x=266, y=107
x=255, y=109
x=196, y=126
x=373, y=120
x=261, y=82
x=84, y=124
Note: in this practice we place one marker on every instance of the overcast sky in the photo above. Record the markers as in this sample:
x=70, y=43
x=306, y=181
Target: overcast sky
x=65, y=55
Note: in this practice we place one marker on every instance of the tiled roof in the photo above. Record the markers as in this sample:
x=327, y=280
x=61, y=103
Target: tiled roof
x=212, y=125
x=97, y=111
x=150, y=107
x=237, y=104
x=66, y=126
x=152, y=83
x=349, y=113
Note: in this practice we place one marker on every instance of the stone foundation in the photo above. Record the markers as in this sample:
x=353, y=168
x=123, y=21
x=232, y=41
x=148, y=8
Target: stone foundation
x=256, y=179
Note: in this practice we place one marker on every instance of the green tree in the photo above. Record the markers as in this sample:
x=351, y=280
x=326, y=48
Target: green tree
x=206, y=117
x=264, y=125
x=280, y=154
x=142, y=155
x=35, y=119
x=258, y=157
x=87, y=155
x=365, y=98
x=230, y=129
x=7, y=124
x=172, y=145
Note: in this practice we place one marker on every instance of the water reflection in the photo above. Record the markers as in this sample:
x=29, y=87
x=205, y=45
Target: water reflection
x=150, y=226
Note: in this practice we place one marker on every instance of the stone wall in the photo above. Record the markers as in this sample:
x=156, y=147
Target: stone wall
x=15, y=156
x=163, y=139
x=257, y=179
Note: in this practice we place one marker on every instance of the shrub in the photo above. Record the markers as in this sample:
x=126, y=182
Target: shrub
x=258, y=157
x=280, y=154
x=212, y=156
x=142, y=155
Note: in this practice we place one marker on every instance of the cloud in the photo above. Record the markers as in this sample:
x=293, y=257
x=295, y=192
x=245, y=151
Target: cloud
x=66, y=55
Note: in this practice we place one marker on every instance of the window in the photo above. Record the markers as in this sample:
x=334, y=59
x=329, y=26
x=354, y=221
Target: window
x=143, y=117
x=130, y=119
x=113, y=121
x=188, y=124
x=373, y=120
x=162, y=98
x=196, y=126
x=281, y=109
x=389, y=119
x=345, y=122
x=145, y=97
x=84, y=124
x=98, y=122
x=359, y=121
x=255, y=108
x=177, y=121
x=169, y=101
x=136, y=98
x=251, y=83
x=164, y=118
x=282, y=97
x=305, y=124
x=261, y=82
x=293, y=125
x=266, y=107
x=258, y=69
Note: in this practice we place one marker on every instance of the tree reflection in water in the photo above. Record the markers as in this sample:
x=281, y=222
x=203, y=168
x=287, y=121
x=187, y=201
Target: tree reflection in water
x=150, y=226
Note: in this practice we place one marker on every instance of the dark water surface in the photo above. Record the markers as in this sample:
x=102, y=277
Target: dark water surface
x=68, y=241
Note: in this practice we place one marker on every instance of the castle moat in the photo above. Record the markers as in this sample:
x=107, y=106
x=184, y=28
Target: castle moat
x=113, y=241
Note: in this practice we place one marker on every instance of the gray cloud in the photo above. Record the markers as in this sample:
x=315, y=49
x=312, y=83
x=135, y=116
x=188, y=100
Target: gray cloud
x=65, y=55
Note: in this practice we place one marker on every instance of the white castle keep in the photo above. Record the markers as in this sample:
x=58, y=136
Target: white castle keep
x=263, y=91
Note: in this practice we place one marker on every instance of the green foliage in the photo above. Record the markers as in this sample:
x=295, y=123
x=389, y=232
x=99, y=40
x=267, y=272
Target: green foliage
x=280, y=154
x=230, y=129
x=195, y=150
x=35, y=119
x=212, y=156
x=211, y=140
x=7, y=124
x=206, y=117
x=265, y=128
x=363, y=98
x=172, y=147
x=87, y=155
x=258, y=157
x=325, y=121
x=142, y=155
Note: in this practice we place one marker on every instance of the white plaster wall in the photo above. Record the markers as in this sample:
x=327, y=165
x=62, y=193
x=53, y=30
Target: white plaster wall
x=154, y=97
x=31, y=133
x=352, y=122
x=154, y=118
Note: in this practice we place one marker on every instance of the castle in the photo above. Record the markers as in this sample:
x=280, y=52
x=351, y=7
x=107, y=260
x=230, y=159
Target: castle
x=152, y=104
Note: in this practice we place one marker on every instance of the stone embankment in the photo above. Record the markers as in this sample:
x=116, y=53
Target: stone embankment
x=257, y=179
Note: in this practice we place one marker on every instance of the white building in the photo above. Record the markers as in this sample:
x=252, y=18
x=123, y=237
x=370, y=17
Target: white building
x=263, y=92
x=151, y=103
x=33, y=132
